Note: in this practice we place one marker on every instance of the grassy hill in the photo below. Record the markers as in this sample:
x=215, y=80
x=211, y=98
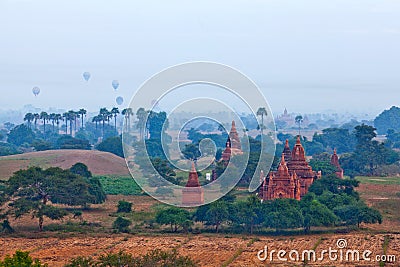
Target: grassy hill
x=99, y=163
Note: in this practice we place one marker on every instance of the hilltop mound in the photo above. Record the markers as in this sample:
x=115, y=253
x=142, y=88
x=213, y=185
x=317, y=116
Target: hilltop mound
x=99, y=163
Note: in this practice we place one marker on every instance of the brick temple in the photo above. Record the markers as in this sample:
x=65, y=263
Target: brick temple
x=292, y=178
x=193, y=193
x=335, y=162
x=233, y=145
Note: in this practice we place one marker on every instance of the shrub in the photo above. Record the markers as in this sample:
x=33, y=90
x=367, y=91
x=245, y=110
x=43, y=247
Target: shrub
x=20, y=259
x=124, y=206
x=122, y=225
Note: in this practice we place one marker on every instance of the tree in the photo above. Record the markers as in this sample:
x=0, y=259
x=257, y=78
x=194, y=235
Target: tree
x=82, y=112
x=36, y=117
x=191, y=152
x=141, y=114
x=248, y=212
x=44, y=117
x=29, y=118
x=21, y=259
x=283, y=214
x=299, y=120
x=104, y=115
x=262, y=112
x=217, y=213
x=20, y=134
x=315, y=213
x=122, y=224
x=115, y=112
x=358, y=213
x=29, y=192
x=124, y=206
x=388, y=119
x=173, y=216
x=80, y=169
x=127, y=113
x=112, y=145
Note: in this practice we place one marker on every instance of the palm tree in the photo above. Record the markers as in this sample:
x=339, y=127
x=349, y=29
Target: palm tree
x=52, y=118
x=36, y=117
x=45, y=117
x=71, y=117
x=141, y=114
x=262, y=112
x=29, y=118
x=115, y=112
x=57, y=118
x=66, y=118
x=96, y=120
x=299, y=120
x=127, y=112
x=82, y=112
x=104, y=115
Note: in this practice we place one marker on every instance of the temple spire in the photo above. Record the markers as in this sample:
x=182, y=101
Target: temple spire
x=193, y=180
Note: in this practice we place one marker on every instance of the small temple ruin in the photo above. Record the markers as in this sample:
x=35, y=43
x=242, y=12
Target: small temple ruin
x=193, y=193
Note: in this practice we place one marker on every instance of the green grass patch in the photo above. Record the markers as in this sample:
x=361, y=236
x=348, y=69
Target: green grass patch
x=120, y=185
x=379, y=180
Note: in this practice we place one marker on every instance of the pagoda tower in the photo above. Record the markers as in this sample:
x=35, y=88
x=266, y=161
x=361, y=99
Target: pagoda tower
x=335, y=162
x=233, y=145
x=192, y=193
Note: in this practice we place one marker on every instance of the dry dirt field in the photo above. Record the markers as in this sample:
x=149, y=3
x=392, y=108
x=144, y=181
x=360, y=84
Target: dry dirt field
x=57, y=247
x=208, y=250
x=100, y=163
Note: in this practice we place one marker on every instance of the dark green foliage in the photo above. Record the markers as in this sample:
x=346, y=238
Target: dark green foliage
x=124, y=206
x=173, y=216
x=338, y=138
x=248, y=212
x=8, y=149
x=30, y=190
x=6, y=227
x=155, y=124
x=96, y=190
x=20, y=259
x=369, y=154
x=358, y=213
x=335, y=185
x=152, y=258
x=191, y=151
x=81, y=262
x=69, y=142
x=164, y=169
x=154, y=149
x=217, y=213
x=80, y=169
x=324, y=166
x=21, y=134
x=388, y=119
x=283, y=214
x=315, y=213
x=121, y=224
x=112, y=145
x=42, y=145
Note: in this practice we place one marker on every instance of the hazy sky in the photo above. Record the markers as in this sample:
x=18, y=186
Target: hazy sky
x=308, y=56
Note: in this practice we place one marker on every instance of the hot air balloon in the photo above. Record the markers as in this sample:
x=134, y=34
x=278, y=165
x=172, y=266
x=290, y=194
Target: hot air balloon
x=119, y=100
x=86, y=75
x=36, y=91
x=115, y=84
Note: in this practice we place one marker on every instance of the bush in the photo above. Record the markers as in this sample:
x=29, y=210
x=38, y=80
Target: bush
x=68, y=142
x=20, y=259
x=122, y=225
x=152, y=258
x=112, y=145
x=124, y=206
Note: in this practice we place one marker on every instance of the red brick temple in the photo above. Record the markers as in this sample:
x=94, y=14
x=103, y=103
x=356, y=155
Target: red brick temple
x=193, y=193
x=335, y=162
x=233, y=145
x=293, y=177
